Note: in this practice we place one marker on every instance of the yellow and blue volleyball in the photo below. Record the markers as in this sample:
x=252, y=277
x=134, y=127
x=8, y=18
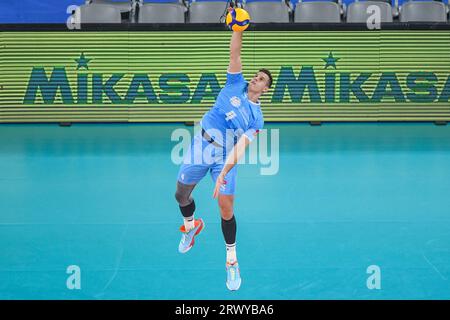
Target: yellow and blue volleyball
x=238, y=19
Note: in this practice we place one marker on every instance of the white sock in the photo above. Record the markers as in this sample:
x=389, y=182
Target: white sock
x=189, y=223
x=231, y=253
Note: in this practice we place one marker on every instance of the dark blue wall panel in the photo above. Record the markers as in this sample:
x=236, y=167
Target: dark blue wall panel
x=35, y=11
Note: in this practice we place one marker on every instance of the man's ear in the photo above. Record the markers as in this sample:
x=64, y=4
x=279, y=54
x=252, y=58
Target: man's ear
x=265, y=89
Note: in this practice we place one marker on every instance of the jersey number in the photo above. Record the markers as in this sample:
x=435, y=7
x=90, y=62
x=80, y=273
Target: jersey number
x=230, y=115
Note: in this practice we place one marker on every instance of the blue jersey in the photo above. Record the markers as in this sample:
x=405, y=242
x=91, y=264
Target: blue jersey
x=233, y=111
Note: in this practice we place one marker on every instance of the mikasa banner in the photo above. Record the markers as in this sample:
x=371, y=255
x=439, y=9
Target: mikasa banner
x=176, y=76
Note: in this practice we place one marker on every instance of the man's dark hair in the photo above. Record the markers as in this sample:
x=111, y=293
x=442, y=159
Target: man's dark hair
x=269, y=75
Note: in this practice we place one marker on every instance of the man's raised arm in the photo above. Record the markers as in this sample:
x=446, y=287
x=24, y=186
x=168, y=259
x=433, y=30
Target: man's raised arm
x=235, y=52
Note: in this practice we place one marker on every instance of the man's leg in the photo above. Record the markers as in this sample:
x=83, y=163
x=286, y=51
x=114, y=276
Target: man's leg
x=229, y=226
x=192, y=227
x=226, y=201
x=186, y=203
x=190, y=173
x=229, y=233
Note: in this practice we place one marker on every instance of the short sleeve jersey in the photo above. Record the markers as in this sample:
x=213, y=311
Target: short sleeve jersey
x=233, y=110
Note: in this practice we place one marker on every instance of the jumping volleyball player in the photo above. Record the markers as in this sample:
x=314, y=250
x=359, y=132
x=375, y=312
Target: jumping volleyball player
x=237, y=109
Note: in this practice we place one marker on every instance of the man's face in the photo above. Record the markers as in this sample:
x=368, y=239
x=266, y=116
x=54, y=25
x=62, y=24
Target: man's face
x=259, y=83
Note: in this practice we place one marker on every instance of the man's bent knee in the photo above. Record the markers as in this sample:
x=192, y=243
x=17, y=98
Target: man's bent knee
x=183, y=193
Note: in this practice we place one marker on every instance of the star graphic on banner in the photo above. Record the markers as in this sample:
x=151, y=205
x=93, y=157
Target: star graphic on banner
x=82, y=62
x=330, y=60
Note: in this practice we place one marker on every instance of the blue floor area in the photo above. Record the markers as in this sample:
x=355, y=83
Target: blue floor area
x=347, y=196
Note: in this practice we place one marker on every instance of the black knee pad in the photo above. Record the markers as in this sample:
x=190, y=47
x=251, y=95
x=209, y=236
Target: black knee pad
x=188, y=211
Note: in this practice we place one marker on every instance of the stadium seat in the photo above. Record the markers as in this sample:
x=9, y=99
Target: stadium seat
x=124, y=6
x=206, y=11
x=317, y=11
x=357, y=11
x=267, y=11
x=423, y=11
x=161, y=13
x=98, y=13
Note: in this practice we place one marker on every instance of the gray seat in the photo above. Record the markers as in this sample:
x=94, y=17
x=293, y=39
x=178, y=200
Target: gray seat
x=357, y=11
x=261, y=12
x=123, y=6
x=161, y=13
x=98, y=13
x=423, y=11
x=320, y=11
x=206, y=12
